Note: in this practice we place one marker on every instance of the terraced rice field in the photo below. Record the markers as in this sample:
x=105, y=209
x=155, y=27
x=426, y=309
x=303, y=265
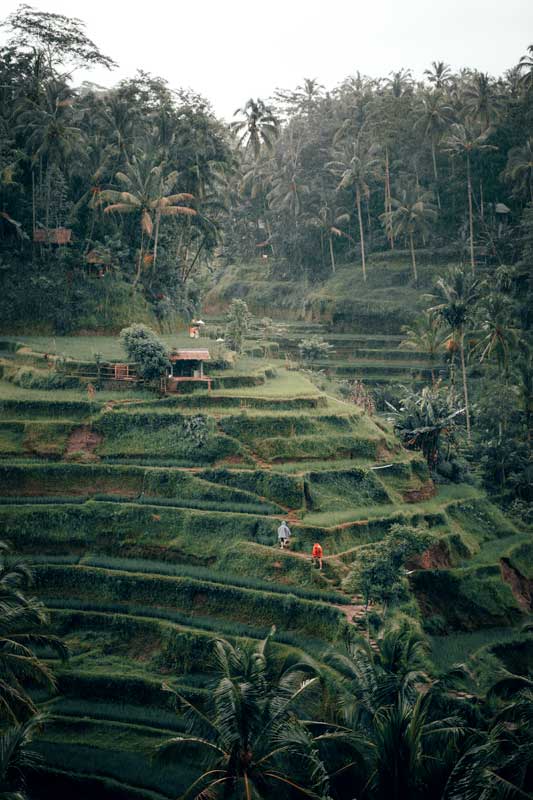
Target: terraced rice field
x=148, y=542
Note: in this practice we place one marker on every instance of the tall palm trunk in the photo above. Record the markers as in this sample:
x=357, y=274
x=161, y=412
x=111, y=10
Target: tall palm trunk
x=33, y=208
x=465, y=384
x=139, y=263
x=361, y=230
x=331, y=253
x=156, y=237
x=48, y=198
x=470, y=212
x=388, y=203
x=435, y=171
x=413, y=258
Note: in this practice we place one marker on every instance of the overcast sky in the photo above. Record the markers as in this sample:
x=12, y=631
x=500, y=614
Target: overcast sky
x=230, y=50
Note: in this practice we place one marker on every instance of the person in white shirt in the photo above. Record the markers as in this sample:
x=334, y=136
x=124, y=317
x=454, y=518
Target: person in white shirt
x=284, y=535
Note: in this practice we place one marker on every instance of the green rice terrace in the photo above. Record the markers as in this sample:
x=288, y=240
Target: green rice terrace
x=151, y=526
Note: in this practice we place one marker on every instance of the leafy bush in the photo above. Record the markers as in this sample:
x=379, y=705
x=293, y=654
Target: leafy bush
x=31, y=378
x=146, y=349
x=314, y=348
x=238, y=322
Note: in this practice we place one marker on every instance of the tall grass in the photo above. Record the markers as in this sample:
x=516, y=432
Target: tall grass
x=204, y=573
x=214, y=625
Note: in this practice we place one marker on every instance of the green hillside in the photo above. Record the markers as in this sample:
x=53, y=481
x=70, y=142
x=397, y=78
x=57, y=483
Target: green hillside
x=147, y=545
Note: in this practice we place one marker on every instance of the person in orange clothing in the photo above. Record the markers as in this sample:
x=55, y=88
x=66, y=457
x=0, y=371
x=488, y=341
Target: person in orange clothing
x=317, y=555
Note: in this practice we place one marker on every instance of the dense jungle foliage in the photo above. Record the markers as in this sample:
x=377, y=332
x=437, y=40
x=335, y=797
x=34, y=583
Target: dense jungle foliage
x=120, y=209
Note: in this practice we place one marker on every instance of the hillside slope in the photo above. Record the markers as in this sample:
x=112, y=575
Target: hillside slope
x=148, y=542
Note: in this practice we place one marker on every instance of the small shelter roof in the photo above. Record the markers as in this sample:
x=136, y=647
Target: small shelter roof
x=190, y=355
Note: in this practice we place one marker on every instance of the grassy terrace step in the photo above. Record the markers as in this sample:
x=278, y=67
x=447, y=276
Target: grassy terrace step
x=182, y=535
x=117, y=711
x=49, y=409
x=369, y=367
x=112, y=749
x=144, y=484
x=175, y=644
x=192, y=596
x=50, y=783
x=151, y=567
x=221, y=401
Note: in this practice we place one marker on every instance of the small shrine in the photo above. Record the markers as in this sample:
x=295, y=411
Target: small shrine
x=187, y=366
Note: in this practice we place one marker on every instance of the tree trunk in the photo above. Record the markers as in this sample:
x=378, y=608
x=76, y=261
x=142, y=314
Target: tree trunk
x=139, y=263
x=470, y=213
x=361, y=230
x=48, y=191
x=481, y=202
x=413, y=258
x=435, y=172
x=465, y=384
x=156, y=236
x=388, y=204
x=331, y=254
x=33, y=213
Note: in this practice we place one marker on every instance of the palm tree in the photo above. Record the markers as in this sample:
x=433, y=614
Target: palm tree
x=525, y=65
x=439, y=75
x=251, y=738
x=426, y=334
x=355, y=164
x=258, y=128
x=411, y=215
x=434, y=119
x=481, y=100
x=458, y=295
x=21, y=618
x=327, y=220
x=16, y=758
x=387, y=698
x=49, y=134
x=148, y=195
x=464, y=142
x=96, y=170
x=499, y=336
x=372, y=679
x=288, y=190
x=519, y=168
x=498, y=762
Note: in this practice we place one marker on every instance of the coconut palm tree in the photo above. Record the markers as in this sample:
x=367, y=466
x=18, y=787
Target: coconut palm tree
x=519, y=169
x=288, y=190
x=50, y=135
x=374, y=678
x=355, y=164
x=525, y=65
x=458, y=296
x=147, y=194
x=440, y=75
x=499, y=336
x=412, y=215
x=258, y=128
x=463, y=142
x=327, y=220
x=387, y=697
x=251, y=739
x=435, y=117
x=426, y=334
x=16, y=758
x=21, y=619
x=482, y=101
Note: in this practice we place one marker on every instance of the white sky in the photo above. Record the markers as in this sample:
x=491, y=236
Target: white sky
x=230, y=50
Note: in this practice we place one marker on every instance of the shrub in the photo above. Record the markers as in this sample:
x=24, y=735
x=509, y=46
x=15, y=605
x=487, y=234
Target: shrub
x=314, y=348
x=146, y=349
x=238, y=322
